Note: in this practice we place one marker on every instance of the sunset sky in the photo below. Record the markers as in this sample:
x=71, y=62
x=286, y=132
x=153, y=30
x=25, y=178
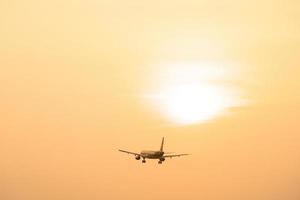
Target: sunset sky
x=218, y=79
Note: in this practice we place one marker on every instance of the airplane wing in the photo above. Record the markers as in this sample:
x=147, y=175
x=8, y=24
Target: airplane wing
x=175, y=155
x=136, y=154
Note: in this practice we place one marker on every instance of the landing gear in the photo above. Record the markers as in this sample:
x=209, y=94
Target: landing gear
x=143, y=161
x=162, y=159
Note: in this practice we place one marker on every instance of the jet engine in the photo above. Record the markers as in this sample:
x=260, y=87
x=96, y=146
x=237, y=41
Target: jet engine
x=162, y=159
x=137, y=157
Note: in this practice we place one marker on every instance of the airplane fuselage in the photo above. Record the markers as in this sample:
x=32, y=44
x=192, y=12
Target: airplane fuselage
x=152, y=154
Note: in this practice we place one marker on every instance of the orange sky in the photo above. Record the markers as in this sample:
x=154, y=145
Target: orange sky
x=71, y=80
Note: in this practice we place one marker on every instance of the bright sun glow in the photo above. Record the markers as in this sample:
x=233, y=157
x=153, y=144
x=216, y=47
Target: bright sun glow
x=192, y=93
x=192, y=103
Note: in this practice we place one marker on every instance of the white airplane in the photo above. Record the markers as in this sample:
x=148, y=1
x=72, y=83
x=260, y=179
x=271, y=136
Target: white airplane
x=160, y=155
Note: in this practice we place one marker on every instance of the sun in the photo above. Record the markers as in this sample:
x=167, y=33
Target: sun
x=190, y=103
x=192, y=93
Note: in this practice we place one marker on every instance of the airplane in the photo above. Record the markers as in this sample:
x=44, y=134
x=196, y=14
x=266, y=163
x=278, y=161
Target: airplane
x=160, y=155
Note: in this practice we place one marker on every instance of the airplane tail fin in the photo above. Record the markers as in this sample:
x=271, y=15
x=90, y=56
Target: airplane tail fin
x=162, y=144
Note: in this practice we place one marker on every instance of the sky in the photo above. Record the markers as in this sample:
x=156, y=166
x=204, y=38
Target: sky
x=81, y=79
